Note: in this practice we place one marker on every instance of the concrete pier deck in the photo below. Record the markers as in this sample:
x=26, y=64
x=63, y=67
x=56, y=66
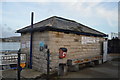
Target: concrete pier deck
x=25, y=73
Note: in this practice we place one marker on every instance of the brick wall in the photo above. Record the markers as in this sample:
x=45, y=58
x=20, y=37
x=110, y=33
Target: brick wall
x=78, y=46
x=25, y=39
x=39, y=57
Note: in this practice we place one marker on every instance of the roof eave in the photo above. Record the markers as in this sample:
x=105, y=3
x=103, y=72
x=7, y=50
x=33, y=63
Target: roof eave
x=51, y=28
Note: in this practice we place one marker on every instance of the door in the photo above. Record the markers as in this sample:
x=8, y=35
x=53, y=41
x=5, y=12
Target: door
x=105, y=47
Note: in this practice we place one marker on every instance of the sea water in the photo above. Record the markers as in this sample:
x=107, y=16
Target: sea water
x=4, y=46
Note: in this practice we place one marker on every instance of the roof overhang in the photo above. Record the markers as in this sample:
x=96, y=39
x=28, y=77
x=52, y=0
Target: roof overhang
x=51, y=28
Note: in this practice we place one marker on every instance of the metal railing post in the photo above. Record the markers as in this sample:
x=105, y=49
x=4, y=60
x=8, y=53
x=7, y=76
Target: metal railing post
x=18, y=66
x=48, y=63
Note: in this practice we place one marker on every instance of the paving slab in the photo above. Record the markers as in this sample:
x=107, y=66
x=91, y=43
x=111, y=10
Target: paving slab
x=30, y=73
x=25, y=73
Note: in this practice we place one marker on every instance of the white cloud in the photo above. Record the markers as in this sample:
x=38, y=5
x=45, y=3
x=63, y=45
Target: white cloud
x=111, y=16
x=93, y=11
x=59, y=0
x=0, y=19
x=88, y=10
x=8, y=32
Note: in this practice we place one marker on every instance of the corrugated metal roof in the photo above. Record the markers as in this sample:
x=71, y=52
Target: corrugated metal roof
x=63, y=24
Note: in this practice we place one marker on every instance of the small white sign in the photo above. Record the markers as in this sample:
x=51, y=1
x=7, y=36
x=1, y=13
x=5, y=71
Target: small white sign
x=25, y=44
x=87, y=40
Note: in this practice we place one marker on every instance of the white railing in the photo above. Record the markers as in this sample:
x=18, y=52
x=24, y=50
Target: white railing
x=11, y=59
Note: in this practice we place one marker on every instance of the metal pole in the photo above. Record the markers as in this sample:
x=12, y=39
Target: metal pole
x=48, y=63
x=18, y=67
x=32, y=14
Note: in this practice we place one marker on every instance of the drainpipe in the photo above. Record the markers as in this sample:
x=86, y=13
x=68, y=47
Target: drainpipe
x=31, y=37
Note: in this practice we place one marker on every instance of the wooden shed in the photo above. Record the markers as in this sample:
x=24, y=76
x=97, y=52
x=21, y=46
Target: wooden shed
x=57, y=32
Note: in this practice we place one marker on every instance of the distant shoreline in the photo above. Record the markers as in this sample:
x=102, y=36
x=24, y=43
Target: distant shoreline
x=10, y=39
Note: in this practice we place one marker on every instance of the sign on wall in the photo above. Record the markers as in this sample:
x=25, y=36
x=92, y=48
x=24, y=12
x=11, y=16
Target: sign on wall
x=87, y=40
x=25, y=44
x=42, y=43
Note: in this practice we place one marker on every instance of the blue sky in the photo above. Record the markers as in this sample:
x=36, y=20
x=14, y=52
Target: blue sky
x=102, y=16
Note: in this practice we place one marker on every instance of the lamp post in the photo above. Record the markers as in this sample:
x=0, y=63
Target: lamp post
x=32, y=14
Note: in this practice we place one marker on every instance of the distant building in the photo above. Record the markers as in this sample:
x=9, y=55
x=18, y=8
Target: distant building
x=114, y=46
x=57, y=32
x=119, y=35
x=114, y=35
x=0, y=39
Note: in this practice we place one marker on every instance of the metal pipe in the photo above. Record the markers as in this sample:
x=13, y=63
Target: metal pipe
x=18, y=67
x=48, y=63
x=32, y=14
